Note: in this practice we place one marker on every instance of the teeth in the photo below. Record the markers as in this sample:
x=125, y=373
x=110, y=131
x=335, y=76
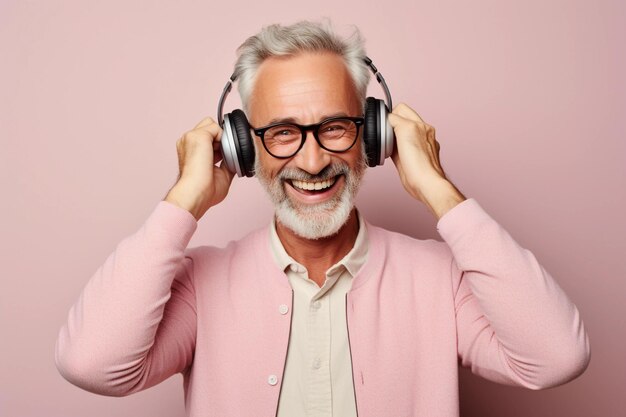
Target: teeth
x=306, y=185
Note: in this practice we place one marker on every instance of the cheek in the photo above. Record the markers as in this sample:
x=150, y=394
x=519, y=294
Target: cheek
x=271, y=166
x=355, y=155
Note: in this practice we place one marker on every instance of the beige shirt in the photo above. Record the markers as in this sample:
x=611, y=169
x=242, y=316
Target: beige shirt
x=318, y=373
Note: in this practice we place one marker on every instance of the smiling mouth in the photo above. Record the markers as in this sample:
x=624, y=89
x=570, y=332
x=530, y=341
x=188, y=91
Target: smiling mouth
x=313, y=187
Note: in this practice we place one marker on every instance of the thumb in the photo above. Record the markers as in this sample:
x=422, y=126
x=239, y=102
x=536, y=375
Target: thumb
x=227, y=173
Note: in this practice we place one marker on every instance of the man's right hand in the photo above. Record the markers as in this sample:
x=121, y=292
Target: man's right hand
x=201, y=183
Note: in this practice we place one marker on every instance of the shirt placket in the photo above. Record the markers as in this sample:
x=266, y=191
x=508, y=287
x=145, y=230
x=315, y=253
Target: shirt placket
x=319, y=394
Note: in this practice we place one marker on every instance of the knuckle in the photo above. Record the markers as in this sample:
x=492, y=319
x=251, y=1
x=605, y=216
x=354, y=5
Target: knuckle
x=414, y=126
x=399, y=106
x=191, y=136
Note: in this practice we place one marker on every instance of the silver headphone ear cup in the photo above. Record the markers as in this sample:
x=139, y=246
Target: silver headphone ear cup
x=229, y=151
x=387, y=137
x=382, y=122
x=390, y=138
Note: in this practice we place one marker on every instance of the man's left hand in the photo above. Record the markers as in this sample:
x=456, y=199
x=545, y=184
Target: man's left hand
x=416, y=156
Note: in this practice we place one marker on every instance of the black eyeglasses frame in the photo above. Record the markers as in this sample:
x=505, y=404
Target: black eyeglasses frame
x=260, y=132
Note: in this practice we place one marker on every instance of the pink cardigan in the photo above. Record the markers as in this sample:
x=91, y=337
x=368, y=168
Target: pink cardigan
x=416, y=310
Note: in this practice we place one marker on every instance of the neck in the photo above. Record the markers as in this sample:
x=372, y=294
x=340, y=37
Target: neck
x=320, y=254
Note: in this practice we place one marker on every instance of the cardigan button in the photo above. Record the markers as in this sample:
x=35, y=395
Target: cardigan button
x=283, y=308
x=272, y=380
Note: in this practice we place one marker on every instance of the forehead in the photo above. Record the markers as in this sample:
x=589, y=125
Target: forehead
x=305, y=87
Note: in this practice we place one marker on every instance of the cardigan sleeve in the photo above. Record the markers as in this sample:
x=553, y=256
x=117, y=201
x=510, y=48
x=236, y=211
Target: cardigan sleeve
x=515, y=325
x=134, y=324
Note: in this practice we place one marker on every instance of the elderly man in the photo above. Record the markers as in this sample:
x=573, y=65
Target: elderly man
x=320, y=313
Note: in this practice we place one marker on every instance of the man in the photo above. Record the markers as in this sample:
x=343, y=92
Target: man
x=321, y=313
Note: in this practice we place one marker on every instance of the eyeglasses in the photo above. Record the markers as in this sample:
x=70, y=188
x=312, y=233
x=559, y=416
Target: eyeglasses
x=335, y=134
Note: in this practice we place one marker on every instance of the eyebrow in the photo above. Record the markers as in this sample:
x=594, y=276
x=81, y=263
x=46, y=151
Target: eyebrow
x=294, y=120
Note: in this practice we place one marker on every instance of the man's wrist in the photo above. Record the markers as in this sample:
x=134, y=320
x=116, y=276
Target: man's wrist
x=182, y=199
x=444, y=199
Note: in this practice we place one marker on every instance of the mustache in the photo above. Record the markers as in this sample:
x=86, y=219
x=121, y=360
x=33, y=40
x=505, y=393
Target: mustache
x=328, y=172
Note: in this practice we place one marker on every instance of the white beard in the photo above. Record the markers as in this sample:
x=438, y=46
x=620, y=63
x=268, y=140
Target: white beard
x=318, y=220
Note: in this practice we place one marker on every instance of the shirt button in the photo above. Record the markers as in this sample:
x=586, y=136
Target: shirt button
x=283, y=308
x=317, y=363
x=317, y=304
x=272, y=380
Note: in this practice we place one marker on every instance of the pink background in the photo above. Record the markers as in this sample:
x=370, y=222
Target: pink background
x=528, y=100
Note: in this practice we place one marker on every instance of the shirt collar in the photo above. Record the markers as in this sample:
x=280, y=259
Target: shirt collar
x=352, y=261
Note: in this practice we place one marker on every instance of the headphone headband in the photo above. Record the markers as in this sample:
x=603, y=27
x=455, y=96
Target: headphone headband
x=220, y=106
x=381, y=81
x=233, y=77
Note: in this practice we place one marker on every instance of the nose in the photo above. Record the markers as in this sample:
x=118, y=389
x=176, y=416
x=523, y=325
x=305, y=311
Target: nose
x=312, y=158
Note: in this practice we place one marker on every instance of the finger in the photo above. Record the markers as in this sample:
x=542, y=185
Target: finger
x=213, y=129
x=217, y=152
x=396, y=119
x=224, y=168
x=407, y=112
x=433, y=139
x=394, y=155
x=205, y=122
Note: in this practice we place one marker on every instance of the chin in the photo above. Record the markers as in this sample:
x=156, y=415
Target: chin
x=317, y=221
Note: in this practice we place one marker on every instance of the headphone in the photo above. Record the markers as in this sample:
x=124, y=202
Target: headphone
x=238, y=148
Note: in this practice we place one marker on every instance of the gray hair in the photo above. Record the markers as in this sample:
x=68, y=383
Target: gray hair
x=303, y=36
